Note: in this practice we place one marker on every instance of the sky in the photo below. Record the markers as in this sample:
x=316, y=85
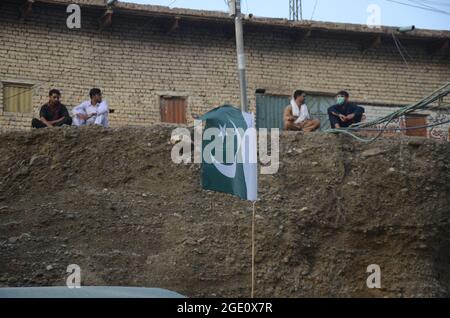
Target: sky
x=392, y=12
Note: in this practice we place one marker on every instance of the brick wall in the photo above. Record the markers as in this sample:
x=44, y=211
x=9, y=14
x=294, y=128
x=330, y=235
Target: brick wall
x=432, y=117
x=136, y=61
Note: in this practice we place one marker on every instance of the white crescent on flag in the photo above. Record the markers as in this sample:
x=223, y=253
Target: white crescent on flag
x=228, y=170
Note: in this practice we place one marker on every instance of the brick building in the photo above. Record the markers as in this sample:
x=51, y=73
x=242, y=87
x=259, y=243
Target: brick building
x=159, y=64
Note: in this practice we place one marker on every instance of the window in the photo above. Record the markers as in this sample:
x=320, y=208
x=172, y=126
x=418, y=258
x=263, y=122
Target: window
x=17, y=98
x=173, y=109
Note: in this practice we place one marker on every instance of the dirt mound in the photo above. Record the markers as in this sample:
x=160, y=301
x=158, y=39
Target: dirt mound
x=113, y=202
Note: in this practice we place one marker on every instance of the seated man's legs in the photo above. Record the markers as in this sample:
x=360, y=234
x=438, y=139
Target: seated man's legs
x=77, y=121
x=311, y=125
x=65, y=121
x=334, y=120
x=91, y=121
x=291, y=126
x=101, y=120
x=36, y=123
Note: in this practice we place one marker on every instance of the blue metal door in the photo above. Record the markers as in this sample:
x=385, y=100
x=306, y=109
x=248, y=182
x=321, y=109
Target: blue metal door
x=318, y=108
x=269, y=110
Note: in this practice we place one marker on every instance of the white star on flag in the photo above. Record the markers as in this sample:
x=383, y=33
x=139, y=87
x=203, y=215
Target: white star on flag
x=223, y=131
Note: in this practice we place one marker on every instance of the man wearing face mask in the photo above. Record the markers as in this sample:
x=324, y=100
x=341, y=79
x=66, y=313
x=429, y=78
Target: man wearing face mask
x=53, y=113
x=296, y=115
x=344, y=113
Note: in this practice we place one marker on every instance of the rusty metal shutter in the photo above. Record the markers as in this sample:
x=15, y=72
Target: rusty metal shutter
x=415, y=120
x=17, y=98
x=173, y=109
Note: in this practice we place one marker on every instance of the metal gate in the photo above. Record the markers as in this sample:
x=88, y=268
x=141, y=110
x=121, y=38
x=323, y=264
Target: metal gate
x=270, y=110
x=318, y=108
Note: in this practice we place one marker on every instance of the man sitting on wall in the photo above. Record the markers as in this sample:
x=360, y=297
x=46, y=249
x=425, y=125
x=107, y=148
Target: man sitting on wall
x=296, y=115
x=344, y=113
x=92, y=112
x=52, y=113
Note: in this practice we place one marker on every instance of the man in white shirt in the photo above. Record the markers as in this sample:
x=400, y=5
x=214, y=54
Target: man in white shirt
x=92, y=112
x=296, y=115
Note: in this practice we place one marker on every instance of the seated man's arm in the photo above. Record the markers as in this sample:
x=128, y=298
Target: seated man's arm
x=80, y=111
x=332, y=111
x=42, y=117
x=350, y=116
x=356, y=111
x=103, y=108
x=304, y=114
x=288, y=114
x=56, y=121
x=102, y=114
x=64, y=113
x=335, y=117
x=46, y=122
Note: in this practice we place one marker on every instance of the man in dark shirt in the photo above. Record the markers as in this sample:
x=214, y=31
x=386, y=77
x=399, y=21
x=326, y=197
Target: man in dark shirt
x=344, y=113
x=53, y=113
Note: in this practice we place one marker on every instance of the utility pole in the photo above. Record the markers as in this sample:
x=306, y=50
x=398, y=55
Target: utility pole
x=235, y=10
x=295, y=10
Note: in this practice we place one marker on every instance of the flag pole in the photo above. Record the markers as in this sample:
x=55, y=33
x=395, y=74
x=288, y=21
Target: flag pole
x=235, y=10
x=253, y=249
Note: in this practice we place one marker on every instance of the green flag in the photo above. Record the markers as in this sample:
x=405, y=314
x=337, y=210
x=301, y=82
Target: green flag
x=229, y=159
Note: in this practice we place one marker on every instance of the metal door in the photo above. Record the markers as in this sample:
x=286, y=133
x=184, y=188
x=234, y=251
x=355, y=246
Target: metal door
x=173, y=110
x=416, y=120
x=270, y=109
x=318, y=108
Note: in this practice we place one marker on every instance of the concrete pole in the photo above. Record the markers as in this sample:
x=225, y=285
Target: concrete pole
x=240, y=54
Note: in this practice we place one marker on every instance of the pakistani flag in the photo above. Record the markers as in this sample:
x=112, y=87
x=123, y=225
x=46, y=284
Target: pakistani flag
x=229, y=160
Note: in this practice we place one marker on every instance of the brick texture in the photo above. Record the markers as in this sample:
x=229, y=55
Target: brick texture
x=136, y=61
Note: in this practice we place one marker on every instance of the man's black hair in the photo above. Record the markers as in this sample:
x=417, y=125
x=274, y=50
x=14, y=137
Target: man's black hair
x=54, y=91
x=94, y=91
x=343, y=93
x=298, y=93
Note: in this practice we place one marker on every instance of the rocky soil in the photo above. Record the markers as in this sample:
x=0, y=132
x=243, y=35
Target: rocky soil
x=112, y=201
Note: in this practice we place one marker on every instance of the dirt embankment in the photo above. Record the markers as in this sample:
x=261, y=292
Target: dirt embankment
x=113, y=202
